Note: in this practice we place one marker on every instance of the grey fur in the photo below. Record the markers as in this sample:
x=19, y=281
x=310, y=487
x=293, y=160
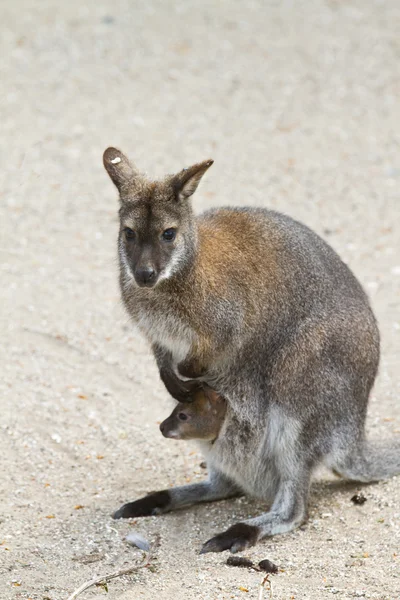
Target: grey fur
x=295, y=352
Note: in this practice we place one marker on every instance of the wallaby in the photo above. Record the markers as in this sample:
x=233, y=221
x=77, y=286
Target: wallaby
x=261, y=309
x=199, y=419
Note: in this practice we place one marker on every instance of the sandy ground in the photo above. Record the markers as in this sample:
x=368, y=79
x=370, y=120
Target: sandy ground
x=298, y=103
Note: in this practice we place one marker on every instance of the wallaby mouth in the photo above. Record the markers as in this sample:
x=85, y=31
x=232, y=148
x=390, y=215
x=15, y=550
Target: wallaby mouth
x=147, y=284
x=173, y=435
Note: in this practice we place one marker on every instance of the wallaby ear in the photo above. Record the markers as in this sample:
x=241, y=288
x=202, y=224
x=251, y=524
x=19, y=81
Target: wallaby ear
x=119, y=167
x=212, y=395
x=187, y=180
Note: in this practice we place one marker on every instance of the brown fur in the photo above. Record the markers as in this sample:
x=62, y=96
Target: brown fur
x=200, y=419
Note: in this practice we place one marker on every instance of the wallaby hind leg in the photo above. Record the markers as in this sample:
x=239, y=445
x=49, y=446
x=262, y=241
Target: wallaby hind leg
x=368, y=461
x=287, y=512
x=217, y=487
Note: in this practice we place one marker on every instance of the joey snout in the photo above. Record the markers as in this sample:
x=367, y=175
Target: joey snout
x=168, y=430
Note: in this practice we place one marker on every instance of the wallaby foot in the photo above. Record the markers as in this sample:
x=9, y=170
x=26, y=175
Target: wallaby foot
x=243, y=535
x=217, y=487
x=236, y=539
x=288, y=511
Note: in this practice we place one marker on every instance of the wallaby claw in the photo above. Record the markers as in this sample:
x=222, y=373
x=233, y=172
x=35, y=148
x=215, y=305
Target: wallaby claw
x=236, y=539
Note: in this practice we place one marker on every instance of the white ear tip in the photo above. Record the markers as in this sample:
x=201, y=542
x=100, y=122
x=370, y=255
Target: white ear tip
x=115, y=160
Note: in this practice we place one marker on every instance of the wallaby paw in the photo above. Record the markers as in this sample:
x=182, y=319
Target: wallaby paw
x=191, y=369
x=150, y=505
x=236, y=538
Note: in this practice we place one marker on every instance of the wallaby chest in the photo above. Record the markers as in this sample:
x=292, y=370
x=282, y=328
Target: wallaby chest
x=162, y=323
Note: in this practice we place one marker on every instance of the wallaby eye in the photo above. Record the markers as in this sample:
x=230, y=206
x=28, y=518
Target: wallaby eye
x=129, y=233
x=169, y=234
x=182, y=417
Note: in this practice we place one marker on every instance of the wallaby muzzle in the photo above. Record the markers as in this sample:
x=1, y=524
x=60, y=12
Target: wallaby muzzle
x=145, y=276
x=166, y=430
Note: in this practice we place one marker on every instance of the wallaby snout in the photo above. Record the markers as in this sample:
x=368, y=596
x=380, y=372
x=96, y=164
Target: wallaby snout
x=168, y=430
x=145, y=276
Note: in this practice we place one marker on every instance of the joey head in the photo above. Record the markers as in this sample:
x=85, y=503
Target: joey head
x=200, y=419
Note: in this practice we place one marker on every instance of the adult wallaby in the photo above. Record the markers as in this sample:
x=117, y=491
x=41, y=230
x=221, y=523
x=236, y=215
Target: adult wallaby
x=261, y=309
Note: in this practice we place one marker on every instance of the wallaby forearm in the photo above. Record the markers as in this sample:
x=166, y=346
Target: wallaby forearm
x=202, y=355
x=176, y=387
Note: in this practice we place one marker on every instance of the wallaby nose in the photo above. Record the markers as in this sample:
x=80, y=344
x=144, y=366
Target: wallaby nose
x=145, y=275
x=164, y=429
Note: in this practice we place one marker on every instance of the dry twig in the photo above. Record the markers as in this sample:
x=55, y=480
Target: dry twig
x=105, y=578
x=262, y=587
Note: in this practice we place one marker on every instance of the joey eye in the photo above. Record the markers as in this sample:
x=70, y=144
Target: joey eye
x=169, y=234
x=129, y=233
x=182, y=417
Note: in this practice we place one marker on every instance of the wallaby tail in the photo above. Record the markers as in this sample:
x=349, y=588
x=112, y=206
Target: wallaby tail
x=371, y=461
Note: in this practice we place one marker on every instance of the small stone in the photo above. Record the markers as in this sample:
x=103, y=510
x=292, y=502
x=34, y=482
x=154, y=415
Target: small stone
x=239, y=561
x=359, y=499
x=136, y=539
x=268, y=566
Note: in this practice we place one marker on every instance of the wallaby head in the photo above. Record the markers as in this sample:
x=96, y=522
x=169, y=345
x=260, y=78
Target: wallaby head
x=157, y=228
x=200, y=419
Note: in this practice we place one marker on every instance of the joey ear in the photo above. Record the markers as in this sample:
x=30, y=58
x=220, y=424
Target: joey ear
x=212, y=396
x=119, y=167
x=186, y=182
